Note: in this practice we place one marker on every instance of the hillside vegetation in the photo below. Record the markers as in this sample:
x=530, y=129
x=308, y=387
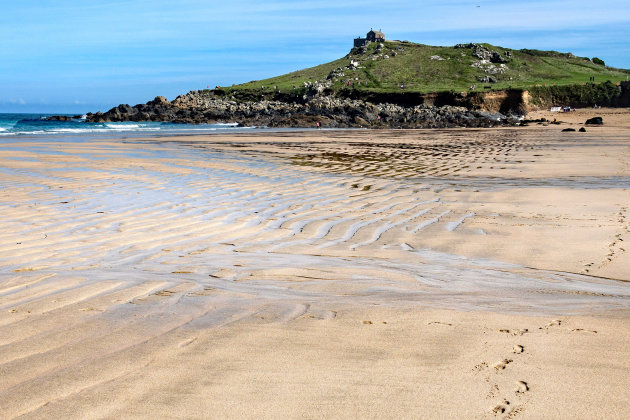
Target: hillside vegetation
x=386, y=67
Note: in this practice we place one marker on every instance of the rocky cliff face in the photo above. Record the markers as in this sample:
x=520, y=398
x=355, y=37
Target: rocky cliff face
x=330, y=111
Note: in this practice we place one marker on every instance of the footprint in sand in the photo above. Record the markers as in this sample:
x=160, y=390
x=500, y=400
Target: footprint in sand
x=501, y=408
x=514, y=332
x=554, y=323
x=521, y=387
x=583, y=330
x=503, y=364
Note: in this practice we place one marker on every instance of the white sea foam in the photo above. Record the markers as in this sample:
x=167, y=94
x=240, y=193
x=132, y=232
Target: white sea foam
x=96, y=130
x=116, y=127
x=213, y=128
x=122, y=126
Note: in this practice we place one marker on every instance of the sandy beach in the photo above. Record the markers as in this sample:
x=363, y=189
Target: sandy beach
x=464, y=273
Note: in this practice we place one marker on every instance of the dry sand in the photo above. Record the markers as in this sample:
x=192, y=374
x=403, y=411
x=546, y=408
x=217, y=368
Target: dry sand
x=349, y=274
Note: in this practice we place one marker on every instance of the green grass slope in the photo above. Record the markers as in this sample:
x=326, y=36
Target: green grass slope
x=426, y=69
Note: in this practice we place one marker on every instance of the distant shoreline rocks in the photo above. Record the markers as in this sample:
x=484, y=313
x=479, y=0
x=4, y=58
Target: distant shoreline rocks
x=198, y=107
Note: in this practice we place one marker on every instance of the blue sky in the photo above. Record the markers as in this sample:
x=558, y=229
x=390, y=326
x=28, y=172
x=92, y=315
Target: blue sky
x=62, y=56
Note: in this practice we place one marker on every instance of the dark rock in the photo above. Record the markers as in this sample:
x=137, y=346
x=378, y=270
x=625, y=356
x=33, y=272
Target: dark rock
x=486, y=79
x=300, y=111
x=498, y=58
x=540, y=120
x=569, y=129
x=159, y=100
x=595, y=121
x=582, y=130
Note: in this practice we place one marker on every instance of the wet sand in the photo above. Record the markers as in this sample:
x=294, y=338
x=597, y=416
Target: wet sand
x=379, y=274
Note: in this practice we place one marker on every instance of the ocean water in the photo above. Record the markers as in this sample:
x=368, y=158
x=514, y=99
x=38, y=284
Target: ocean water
x=37, y=125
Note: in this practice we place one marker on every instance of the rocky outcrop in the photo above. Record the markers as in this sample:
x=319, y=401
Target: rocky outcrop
x=484, y=53
x=330, y=111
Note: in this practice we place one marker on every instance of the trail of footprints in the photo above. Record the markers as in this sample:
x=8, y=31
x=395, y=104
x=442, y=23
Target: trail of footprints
x=617, y=246
x=511, y=402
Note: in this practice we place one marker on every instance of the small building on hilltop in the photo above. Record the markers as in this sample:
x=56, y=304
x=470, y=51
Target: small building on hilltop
x=372, y=36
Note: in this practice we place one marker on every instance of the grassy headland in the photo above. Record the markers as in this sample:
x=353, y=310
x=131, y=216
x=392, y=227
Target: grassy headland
x=426, y=69
x=400, y=84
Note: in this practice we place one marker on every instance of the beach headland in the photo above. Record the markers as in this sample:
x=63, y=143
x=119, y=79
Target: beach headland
x=459, y=273
x=399, y=84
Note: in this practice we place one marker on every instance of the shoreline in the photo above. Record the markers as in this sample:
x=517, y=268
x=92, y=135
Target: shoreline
x=614, y=118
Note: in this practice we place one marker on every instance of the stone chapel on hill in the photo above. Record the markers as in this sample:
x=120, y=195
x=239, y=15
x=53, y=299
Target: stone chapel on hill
x=372, y=36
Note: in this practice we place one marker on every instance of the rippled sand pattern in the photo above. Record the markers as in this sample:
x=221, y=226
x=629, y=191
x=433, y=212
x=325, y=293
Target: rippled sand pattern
x=122, y=215
x=433, y=158
x=108, y=245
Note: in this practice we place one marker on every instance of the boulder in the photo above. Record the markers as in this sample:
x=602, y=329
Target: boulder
x=59, y=118
x=569, y=129
x=582, y=130
x=595, y=121
x=497, y=58
x=159, y=100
